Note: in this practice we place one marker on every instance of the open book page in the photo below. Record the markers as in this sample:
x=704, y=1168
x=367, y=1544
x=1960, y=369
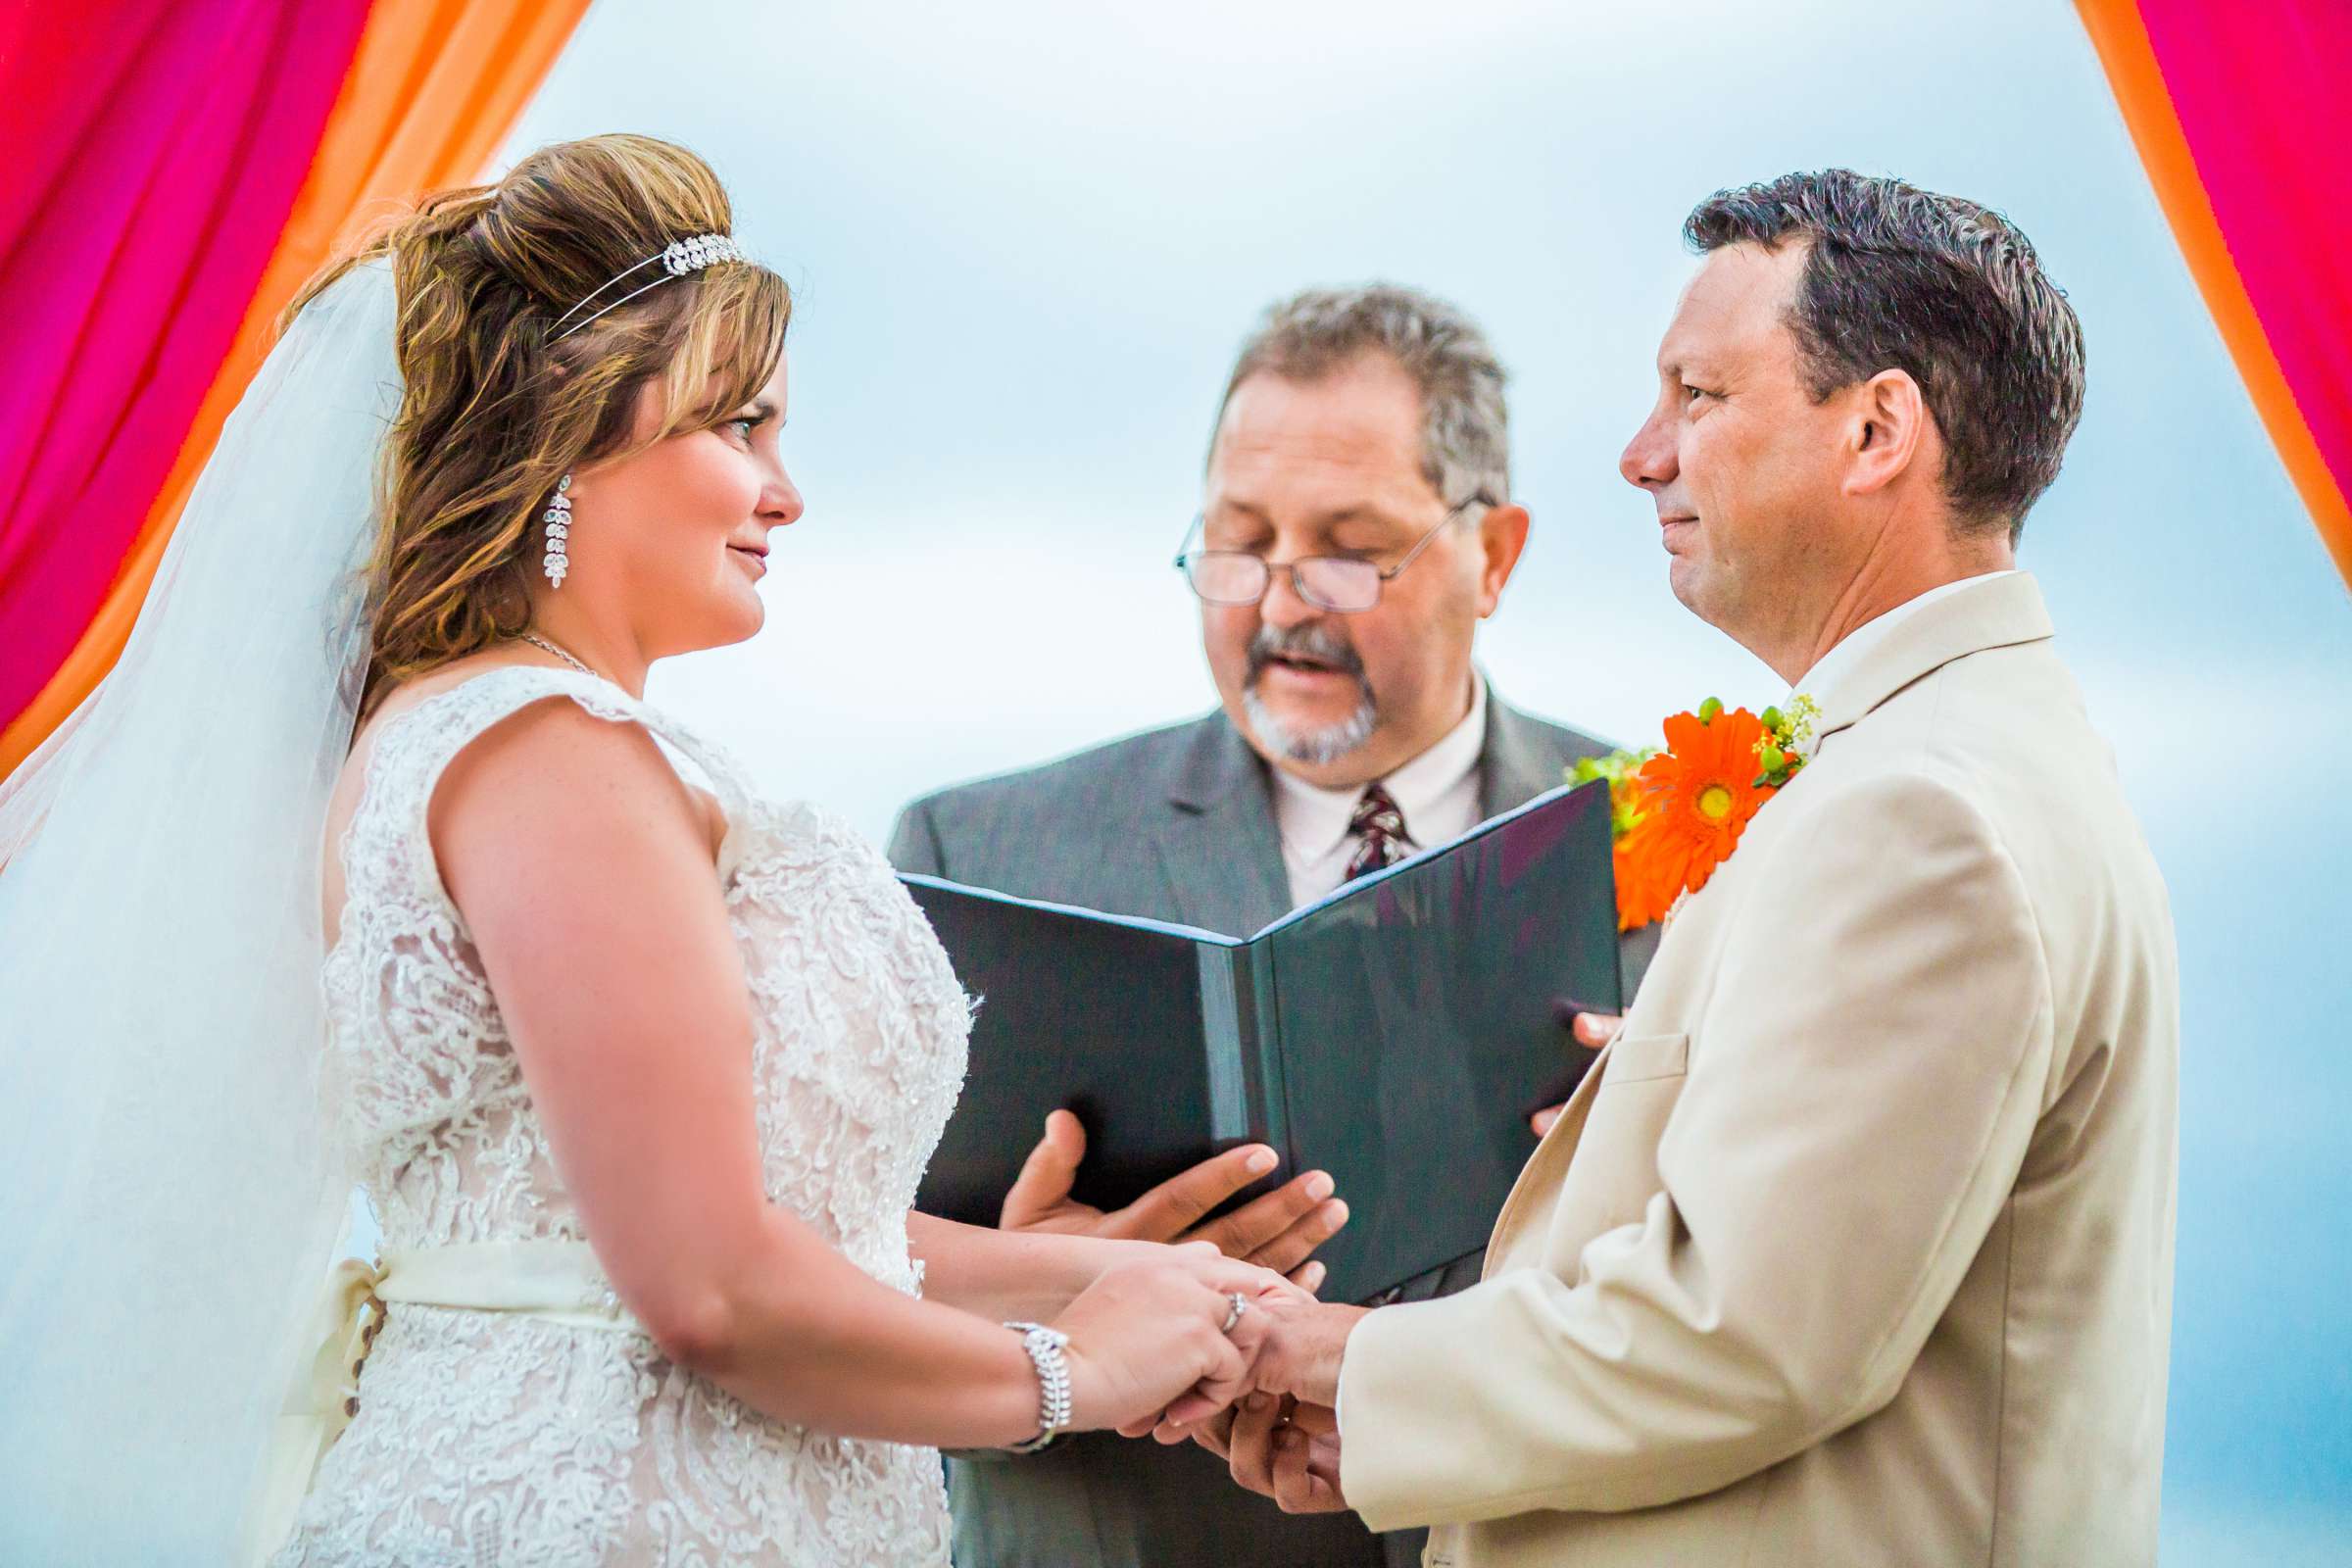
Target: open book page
x=1417, y=1028
x=1396, y=1033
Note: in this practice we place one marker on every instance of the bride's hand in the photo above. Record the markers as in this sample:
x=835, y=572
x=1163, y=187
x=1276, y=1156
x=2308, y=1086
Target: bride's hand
x=1147, y=1332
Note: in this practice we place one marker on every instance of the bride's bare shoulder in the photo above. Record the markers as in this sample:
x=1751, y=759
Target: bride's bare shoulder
x=548, y=750
x=410, y=694
x=521, y=796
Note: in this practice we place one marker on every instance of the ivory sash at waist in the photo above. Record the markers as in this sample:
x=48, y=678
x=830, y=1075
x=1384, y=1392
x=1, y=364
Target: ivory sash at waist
x=553, y=1282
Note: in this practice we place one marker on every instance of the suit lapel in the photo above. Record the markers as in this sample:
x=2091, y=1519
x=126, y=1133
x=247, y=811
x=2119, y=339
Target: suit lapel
x=1218, y=846
x=1515, y=765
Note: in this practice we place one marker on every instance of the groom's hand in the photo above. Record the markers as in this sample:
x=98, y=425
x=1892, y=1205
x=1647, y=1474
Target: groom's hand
x=1285, y=1449
x=1275, y=1446
x=1277, y=1230
x=1593, y=1030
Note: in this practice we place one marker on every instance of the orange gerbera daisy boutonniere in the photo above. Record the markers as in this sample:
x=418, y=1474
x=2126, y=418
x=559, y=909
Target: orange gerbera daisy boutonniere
x=1677, y=815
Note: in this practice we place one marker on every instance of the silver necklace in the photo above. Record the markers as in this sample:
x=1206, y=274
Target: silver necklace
x=537, y=641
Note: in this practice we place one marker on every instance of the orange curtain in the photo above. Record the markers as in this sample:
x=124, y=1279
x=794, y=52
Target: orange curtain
x=433, y=89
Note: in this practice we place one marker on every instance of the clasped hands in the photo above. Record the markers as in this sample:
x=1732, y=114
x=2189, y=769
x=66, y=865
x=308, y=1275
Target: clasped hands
x=1281, y=1437
x=1276, y=1425
x=1285, y=1334
x=1276, y=1445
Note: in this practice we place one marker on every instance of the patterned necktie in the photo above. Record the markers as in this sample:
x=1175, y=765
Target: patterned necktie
x=1378, y=828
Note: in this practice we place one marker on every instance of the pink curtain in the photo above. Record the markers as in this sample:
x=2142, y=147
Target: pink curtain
x=2241, y=115
x=2265, y=95
x=156, y=148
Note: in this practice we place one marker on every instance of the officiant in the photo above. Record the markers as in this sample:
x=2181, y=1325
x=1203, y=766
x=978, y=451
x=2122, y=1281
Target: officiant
x=1356, y=524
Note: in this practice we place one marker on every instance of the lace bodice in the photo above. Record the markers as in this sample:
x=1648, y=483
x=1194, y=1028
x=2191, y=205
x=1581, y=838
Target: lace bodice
x=520, y=1441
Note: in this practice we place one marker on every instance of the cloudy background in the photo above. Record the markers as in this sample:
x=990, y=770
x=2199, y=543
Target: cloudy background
x=1027, y=238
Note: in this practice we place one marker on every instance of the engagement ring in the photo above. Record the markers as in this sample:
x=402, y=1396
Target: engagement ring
x=1239, y=1306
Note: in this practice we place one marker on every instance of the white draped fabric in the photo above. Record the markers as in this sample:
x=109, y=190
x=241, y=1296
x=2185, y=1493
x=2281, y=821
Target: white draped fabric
x=169, y=1185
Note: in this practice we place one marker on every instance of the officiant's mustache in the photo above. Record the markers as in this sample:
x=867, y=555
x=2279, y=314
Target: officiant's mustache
x=1311, y=642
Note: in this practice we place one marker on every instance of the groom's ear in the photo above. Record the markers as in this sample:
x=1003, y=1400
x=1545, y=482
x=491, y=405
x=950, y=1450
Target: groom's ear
x=1889, y=432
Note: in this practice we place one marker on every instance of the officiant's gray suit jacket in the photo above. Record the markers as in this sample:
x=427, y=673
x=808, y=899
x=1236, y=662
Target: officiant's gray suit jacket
x=1173, y=824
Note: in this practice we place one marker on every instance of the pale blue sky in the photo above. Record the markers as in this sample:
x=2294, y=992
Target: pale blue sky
x=1027, y=238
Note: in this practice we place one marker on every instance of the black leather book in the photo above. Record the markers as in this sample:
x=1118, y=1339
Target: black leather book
x=1396, y=1034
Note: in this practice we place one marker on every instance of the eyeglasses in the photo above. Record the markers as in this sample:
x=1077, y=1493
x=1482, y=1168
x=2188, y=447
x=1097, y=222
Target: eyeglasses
x=1346, y=585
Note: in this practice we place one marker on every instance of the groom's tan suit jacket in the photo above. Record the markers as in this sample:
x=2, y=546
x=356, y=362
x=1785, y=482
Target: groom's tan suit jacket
x=1856, y=1247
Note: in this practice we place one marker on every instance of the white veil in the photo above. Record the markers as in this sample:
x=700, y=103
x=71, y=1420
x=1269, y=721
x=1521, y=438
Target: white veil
x=169, y=1182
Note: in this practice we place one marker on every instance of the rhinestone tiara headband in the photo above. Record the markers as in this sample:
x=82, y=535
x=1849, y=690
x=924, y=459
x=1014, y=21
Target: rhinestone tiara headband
x=677, y=258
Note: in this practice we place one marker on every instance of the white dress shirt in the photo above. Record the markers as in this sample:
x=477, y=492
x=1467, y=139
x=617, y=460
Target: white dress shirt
x=1436, y=792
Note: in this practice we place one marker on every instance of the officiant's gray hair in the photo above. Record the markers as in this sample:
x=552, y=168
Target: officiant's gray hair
x=1465, y=428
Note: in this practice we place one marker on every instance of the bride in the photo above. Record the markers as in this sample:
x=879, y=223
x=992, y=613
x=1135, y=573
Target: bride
x=639, y=1070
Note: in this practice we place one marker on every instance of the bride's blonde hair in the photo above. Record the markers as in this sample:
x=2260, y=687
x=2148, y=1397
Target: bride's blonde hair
x=493, y=412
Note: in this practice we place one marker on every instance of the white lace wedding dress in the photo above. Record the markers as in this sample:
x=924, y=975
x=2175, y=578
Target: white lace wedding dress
x=497, y=1438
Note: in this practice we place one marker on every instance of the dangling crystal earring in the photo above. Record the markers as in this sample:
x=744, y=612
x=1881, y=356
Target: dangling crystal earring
x=557, y=518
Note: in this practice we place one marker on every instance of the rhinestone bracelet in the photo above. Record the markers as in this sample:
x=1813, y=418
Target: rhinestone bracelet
x=1045, y=1346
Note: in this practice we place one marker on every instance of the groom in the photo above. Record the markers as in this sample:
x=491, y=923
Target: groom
x=1856, y=1247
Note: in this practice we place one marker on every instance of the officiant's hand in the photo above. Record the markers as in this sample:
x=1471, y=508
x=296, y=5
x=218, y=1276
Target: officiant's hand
x=1593, y=1030
x=1278, y=1231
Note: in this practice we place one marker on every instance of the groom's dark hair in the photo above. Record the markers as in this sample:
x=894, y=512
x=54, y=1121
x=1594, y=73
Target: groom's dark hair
x=1900, y=278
